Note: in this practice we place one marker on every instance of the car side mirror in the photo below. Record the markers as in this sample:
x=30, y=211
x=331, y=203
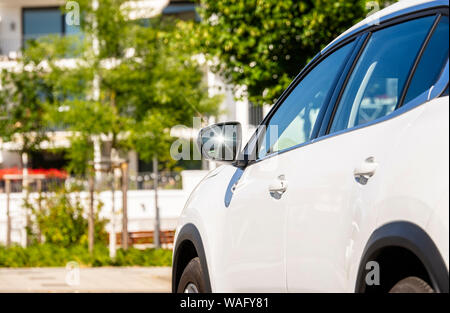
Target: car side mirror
x=220, y=142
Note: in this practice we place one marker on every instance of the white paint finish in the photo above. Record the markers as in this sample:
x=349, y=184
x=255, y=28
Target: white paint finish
x=254, y=234
x=411, y=187
x=319, y=198
x=417, y=188
x=379, y=197
x=437, y=226
x=207, y=214
x=331, y=216
x=325, y=215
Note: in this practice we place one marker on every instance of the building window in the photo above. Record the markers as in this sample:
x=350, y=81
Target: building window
x=184, y=10
x=255, y=114
x=39, y=22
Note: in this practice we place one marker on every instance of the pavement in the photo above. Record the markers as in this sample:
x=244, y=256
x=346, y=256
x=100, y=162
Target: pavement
x=74, y=279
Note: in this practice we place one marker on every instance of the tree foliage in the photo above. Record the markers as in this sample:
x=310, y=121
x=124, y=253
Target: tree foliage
x=22, y=108
x=263, y=44
x=148, y=83
x=61, y=219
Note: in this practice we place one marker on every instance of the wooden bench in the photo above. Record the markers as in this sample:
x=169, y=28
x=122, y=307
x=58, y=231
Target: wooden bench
x=147, y=237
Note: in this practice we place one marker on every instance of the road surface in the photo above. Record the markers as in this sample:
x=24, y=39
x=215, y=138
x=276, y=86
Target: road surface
x=101, y=279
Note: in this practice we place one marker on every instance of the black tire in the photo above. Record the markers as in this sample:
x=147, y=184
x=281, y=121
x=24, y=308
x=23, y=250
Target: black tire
x=411, y=284
x=192, y=274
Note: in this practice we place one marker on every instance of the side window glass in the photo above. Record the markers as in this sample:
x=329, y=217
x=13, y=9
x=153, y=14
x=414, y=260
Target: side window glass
x=379, y=77
x=293, y=122
x=432, y=61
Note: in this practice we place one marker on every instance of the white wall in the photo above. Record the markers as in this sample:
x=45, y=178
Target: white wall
x=9, y=159
x=191, y=179
x=141, y=208
x=10, y=29
x=11, y=21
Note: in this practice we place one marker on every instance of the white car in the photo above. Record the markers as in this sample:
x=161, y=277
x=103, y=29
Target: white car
x=345, y=186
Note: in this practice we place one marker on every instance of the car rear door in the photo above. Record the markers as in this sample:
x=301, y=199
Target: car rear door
x=343, y=172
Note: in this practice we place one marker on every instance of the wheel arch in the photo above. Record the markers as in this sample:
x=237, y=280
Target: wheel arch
x=188, y=246
x=409, y=237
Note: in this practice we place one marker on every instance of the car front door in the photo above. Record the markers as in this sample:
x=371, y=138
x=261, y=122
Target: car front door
x=261, y=195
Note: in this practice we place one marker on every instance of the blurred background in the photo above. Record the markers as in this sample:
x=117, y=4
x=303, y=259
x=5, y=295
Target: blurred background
x=90, y=94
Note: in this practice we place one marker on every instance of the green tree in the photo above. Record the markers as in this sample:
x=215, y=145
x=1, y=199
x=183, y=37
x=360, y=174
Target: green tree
x=120, y=78
x=263, y=44
x=61, y=219
x=24, y=98
x=148, y=82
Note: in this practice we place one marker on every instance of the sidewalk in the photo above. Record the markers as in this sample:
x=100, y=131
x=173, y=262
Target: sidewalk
x=102, y=279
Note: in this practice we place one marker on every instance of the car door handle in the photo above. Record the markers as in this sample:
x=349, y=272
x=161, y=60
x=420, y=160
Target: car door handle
x=365, y=171
x=278, y=187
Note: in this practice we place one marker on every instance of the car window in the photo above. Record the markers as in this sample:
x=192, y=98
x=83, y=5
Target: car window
x=431, y=63
x=293, y=122
x=380, y=74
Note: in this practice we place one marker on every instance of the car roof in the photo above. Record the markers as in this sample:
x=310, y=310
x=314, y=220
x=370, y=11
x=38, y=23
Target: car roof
x=397, y=9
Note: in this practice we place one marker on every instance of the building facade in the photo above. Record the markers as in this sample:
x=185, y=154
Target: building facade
x=21, y=20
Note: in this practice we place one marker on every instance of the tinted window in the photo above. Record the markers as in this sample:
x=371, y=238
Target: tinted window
x=293, y=122
x=432, y=62
x=375, y=86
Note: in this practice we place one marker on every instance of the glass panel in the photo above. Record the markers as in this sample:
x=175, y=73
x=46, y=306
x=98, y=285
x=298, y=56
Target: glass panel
x=378, y=79
x=73, y=29
x=293, y=122
x=255, y=114
x=432, y=62
x=42, y=22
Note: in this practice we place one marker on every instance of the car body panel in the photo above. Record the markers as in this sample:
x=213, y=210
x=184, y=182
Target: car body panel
x=207, y=214
x=330, y=239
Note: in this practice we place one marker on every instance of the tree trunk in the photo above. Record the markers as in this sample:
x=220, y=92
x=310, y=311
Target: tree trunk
x=91, y=221
x=8, y=215
x=124, y=206
x=112, y=234
x=157, y=221
x=39, y=187
x=25, y=195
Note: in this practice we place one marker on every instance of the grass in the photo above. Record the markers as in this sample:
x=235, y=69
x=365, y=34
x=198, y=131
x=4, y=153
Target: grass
x=48, y=255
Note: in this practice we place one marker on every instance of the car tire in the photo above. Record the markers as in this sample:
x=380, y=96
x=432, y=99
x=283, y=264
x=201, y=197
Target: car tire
x=192, y=280
x=412, y=285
